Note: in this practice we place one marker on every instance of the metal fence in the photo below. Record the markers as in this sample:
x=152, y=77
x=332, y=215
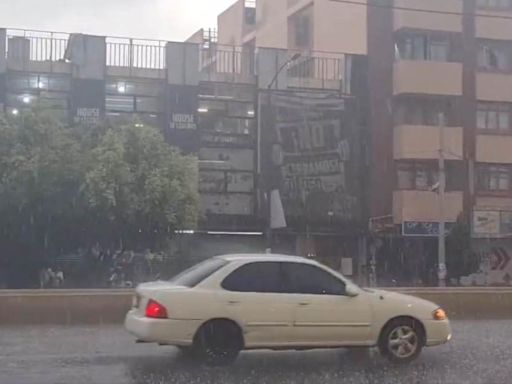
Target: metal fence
x=214, y=58
x=130, y=53
x=320, y=66
x=36, y=45
x=223, y=59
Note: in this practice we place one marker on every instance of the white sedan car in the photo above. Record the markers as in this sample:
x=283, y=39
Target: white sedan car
x=232, y=303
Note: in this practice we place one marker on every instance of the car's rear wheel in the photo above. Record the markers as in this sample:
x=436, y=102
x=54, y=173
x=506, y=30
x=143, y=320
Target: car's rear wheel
x=218, y=342
x=402, y=340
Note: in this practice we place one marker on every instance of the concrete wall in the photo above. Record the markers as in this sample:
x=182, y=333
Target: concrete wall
x=110, y=307
x=492, y=27
x=424, y=206
x=182, y=63
x=494, y=86
x=91, y=57
x=231, y=24
x=271, y=24
x=422, y=142
x=196, y=38
x=495, y=149
x=427, y=78
x=429, y=21
x=340, y=27
x=498, y=203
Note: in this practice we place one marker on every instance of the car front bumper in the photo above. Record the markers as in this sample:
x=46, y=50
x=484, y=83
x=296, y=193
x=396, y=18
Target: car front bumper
x=162, y=331
x=438, y=332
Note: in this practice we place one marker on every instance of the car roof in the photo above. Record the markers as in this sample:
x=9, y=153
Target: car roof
x=265, y=257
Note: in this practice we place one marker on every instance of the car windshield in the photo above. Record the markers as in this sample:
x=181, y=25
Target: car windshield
x=196, y=274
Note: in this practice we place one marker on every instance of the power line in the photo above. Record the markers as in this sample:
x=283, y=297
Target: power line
x=422, y=10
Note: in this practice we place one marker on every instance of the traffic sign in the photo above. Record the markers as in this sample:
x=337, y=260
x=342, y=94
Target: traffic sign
x=501, y=259
x=424, y=229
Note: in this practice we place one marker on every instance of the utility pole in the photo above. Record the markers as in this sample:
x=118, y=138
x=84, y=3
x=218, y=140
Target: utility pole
x=441, y=273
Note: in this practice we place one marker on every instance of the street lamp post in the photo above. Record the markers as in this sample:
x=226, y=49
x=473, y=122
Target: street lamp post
x=441, y=239
x=269, y=88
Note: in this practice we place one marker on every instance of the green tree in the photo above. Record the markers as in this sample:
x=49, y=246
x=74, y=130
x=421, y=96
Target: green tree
x=139, y=187
x=62, y=188
x=41, y=172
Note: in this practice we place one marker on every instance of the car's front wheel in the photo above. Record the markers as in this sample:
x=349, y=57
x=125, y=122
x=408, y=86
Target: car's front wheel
x=218, y=342
x=402, y=340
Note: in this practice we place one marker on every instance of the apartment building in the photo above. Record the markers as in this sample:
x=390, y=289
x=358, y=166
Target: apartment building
x=302, y=25
x=431, y=63
x=450, y=59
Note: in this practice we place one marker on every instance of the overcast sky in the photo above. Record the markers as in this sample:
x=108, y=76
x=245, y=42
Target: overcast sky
x=155, y=19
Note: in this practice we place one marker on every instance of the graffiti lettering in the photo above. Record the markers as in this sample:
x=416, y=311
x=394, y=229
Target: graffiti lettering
x=183, y=121
x=87, y=115
x=322, y=164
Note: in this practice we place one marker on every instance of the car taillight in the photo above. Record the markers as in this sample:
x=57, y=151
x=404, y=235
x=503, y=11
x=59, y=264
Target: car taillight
x=155, y=310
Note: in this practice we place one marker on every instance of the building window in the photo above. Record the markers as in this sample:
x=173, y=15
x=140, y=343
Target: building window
x=494, y=178
x=421, y=47
x=300, y=29
x=416, y=111
x=494, y=117
x=417, y=176
x=496, y=4
x=120, y=103
x=494, y=57
x=303, y=31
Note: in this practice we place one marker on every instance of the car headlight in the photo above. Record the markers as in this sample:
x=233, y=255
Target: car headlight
x=439, y=314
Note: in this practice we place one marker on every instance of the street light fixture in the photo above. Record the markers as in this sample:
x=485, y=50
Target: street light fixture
x=121, y=87
x=26, y=99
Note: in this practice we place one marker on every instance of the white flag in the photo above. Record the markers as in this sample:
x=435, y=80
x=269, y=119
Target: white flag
x=277, y=218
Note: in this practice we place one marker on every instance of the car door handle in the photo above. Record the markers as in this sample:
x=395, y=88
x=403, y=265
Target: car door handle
x=304, y=304
x=233, y=302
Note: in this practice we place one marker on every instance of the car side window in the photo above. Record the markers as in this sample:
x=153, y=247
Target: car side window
x=310, y=280
x=263, y=277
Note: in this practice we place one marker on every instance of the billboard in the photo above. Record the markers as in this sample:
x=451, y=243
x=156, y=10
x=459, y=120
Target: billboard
x=182, y=120
x=87, y=101
x=309, y=153
x=492, y=224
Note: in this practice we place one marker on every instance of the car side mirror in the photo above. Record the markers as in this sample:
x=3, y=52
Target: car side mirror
x=350, y=291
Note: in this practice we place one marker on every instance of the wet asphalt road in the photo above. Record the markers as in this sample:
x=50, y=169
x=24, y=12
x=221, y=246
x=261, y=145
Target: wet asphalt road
x=481, y=353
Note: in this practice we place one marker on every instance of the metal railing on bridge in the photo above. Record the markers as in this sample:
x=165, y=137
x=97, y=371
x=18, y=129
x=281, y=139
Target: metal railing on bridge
x=36, y=45
x=132, y=53
x=319, y=69
x=216, y=61
x=225, y=59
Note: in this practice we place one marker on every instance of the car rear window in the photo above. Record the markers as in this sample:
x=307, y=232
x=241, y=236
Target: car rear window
x=194, y=275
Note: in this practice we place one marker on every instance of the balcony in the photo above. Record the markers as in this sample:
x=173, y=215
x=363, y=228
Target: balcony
x=494, y=86
x=495, y=28
x=422, y=142
x=494, y=149
x=494, y=203
x=429, y=21
x=427, y=78
x=423, y=206
x=318, y=70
